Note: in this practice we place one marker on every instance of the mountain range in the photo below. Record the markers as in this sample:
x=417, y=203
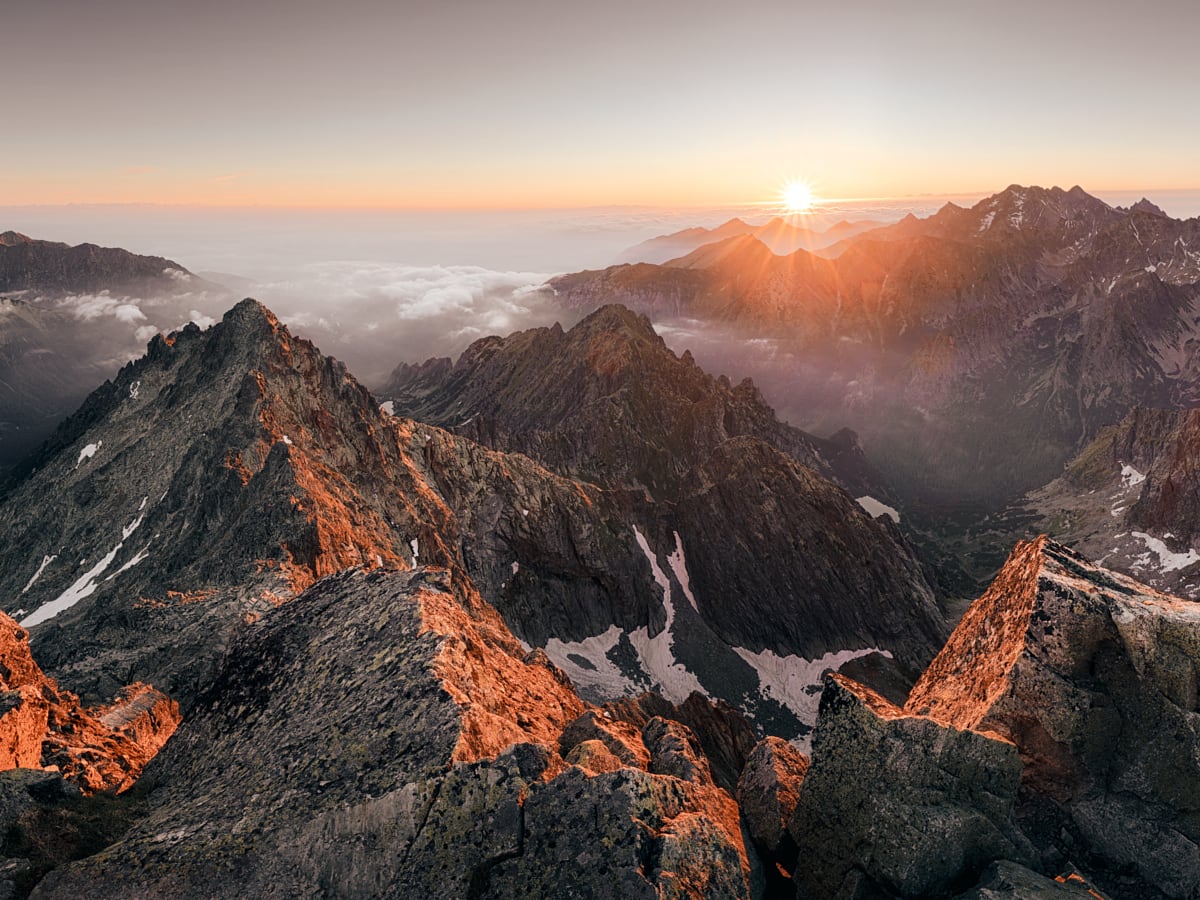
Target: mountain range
x=70, y=317
x=782, y=235
x=570, y=616
x=974, y=351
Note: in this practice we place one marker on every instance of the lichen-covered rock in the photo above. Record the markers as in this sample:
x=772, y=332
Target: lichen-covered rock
x=1094, y=678
x=768, y=791
x=674, y=750
x=622, y=739
x=382, y=735
x=1005, y=880
x=623, y=834
x=723, y=732
x=900, y=803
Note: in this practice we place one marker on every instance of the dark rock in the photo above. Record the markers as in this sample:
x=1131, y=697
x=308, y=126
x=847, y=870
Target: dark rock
x=767, y=793
x=1093, y=677
x=1005, y=879
x=900, y=803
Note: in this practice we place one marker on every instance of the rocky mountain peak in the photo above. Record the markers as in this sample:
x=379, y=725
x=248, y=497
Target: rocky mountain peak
x=13, y=238
x=1145, y=206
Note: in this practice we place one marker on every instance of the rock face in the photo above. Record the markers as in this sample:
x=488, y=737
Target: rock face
x=737, y=510
x=974, y=350
x=900, y=803
x=98, y=749
x=69, y=316
x=608, y=402
x=1093, y=677
x=1132, y=497
x=345, y=748
x=768, y=790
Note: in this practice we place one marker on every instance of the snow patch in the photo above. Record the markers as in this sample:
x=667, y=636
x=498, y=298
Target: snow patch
x=796, y=682
x=516, y=567
x=1131, y=476
x=415, y=548
x=1168, y=560
x=84, y=587
x=137, y=558
x=678, y=565
x=46, y=560
x=602, y=674
x=287, y=440
x=875, y=509
x=134, y=389
x=88, y=452
x=388, y=407
x=131, y=528
x=675, y=682
x=987, y=222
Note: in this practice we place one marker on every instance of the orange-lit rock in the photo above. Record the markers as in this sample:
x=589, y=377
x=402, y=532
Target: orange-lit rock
x=102, y=749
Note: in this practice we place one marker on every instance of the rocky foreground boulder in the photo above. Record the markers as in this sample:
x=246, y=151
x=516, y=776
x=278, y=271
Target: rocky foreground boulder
x=901, y=804
x=1094, y=678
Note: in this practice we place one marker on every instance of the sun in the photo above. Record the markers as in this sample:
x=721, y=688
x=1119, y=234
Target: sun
x=798, y=197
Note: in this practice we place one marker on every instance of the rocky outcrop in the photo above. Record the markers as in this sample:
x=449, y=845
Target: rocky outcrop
x=724, y=733
x=96, y=749
x=1093, y=677
x=900, y=803
x=365, y=740
x=767, y=792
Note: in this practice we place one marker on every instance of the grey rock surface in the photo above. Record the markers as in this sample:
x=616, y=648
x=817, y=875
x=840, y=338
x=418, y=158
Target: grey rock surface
x=901, y=804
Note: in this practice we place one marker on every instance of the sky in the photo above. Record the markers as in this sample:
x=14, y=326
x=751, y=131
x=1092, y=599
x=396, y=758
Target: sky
x=457, y=104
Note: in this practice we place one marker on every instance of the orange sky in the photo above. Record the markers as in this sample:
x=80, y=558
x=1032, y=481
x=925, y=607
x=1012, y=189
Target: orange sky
x=539, y=104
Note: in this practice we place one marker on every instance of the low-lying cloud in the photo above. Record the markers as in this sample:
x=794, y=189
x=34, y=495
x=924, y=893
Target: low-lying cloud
x=374, y=315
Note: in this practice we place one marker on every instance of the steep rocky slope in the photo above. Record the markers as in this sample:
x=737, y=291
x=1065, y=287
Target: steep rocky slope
x=101, y=749
x=1132, y=499
x=70, y=317
x=974, y=350
x=704, y=465
x=1093, y=677
x=229, y=469
x=609, y=402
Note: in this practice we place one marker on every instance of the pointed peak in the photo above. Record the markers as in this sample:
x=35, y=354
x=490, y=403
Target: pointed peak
x=616, y=317
x=1146, y=206
x=250, y=311
x=13, y=238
